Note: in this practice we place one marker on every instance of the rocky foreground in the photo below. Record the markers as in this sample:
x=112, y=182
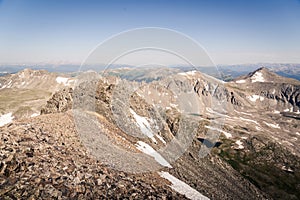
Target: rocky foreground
x=43, y=158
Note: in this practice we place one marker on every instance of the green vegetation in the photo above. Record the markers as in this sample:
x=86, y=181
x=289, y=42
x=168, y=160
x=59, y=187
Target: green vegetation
x=263, y=167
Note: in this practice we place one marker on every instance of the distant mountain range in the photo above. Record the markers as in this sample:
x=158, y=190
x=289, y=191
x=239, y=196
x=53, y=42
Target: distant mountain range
x=286, y=70
x=224, y=72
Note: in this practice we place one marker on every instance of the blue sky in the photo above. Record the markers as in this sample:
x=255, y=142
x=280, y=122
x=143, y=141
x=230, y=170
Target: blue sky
x=232, y=32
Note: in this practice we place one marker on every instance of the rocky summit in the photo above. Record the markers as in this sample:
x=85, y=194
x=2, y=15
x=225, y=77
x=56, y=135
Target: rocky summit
x=186, y=135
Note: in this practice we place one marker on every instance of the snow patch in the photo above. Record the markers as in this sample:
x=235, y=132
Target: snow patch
x=272, y=125
x=241, y=81
x=173, y=105
x=240, y=144
x=9, y=82
x=228, y=135
x=34, y=115
x=288, y=169
x=144, y=125
x=182, y=188
x=249, y=114
x=255, y=97
x=8, y=85
x=62, y=80
x=161, y=139
x=188, y=73
x=140, y=95
x=147, y=149
x=276, y=112
x=6, y=118
x=249, y=120
x=191, y=72
x=217, y=113
x=257, y=77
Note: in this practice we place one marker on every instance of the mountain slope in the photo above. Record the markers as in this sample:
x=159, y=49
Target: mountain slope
x=43, y=157
x=24, y=93
x=251, y=126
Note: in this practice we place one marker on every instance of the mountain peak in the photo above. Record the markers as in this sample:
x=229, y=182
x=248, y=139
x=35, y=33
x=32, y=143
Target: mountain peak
x=263, y=68
x=264, y=71
x=261, y=75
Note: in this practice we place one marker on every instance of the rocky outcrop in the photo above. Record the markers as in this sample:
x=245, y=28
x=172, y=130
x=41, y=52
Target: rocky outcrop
x=290, y=94
x=61, y=101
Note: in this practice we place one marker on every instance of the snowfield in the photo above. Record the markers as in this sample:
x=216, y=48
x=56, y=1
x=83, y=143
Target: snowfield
x=257, y=77
x=161, y=139
x=34, y=115
x=144, y=125
x=189, y=73
x=63, y=80
x=182, y=188
x=6, y=118
x=249, y=120
x=254, y=98
x=147, y=149
x=241, y=81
